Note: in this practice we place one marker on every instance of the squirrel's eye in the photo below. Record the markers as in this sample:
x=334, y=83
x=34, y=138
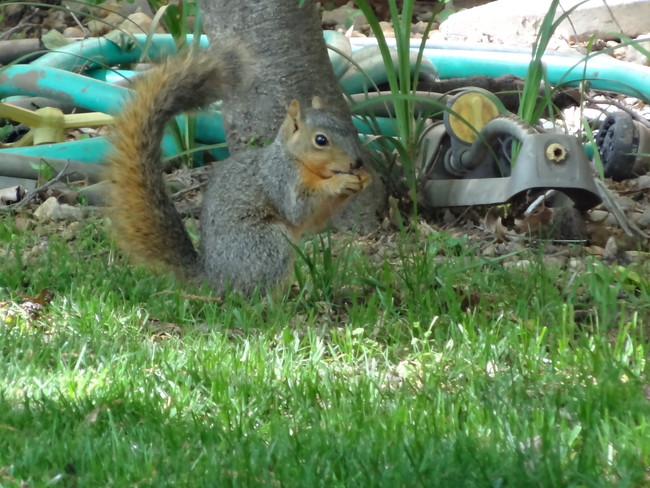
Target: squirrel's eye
x=321, y=140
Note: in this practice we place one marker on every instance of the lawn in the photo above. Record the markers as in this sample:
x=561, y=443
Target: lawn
x=394, y=360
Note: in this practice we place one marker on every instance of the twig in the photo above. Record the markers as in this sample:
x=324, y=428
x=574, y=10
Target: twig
x=32, y=193
x=189, y=188
x=629, y=227
x=538, y=201
x=74, y=17
x=7, y=34
x=619, y=106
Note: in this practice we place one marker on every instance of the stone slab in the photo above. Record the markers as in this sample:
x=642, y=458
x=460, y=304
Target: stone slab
x=516, y=22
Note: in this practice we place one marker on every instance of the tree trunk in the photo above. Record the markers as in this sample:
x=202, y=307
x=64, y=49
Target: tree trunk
x=290, y=61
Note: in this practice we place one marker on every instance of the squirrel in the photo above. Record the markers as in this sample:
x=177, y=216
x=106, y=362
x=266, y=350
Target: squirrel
x=258, y=202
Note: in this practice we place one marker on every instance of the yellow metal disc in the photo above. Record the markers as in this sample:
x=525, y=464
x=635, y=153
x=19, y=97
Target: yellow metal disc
x=469, y=110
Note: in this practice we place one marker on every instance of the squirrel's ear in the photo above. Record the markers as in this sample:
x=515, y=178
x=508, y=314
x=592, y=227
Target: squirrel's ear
x=317, y=103
x=294, y=109
x=292, y=120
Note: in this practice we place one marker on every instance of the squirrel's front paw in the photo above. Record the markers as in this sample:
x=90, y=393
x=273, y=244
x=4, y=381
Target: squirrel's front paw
x=353, y=182
x=365, y=178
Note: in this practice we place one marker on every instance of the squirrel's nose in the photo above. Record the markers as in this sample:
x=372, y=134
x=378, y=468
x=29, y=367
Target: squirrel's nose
x=357, y=164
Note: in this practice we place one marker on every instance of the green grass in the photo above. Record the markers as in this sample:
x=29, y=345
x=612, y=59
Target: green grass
x=410, y=363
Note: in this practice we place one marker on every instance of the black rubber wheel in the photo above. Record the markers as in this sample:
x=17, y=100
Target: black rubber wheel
x=618, y=143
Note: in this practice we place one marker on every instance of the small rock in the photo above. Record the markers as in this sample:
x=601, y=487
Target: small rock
x=523, y=264
x=387, y=29
x=340, y=17
x=436, y=36
x=634, y=55
x=625, y=202
x=598, y=233
x=642, y=219
x=619, y=53
x=105, y=9
x=611, y=221
x=591, y=113
x=139, y=22
x=55, y=19
x=419, y=28
x=34, y=252
x=48, y=210
x=23, y=224
x=13, y=10
x=611, y=248
x=122, y=7
x=638, y=257
x=597, y=215
x=448, y=217
x=555, y=261
x=596, y=250
x=422, y=11
x=625, y=242
x=642, y=182
x=489, y=250
x=52, y=210
x=357, y=34
x=113, y=20
x=72, y=32
x=360, y=22
x=100, y=27
x=71, y=230
x=575, y=263
x=97, y=28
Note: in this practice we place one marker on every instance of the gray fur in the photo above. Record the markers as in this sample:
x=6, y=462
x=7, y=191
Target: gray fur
x=244, y=242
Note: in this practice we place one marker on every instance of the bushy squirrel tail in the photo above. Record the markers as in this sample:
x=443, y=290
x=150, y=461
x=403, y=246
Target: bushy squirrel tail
x=144, y=218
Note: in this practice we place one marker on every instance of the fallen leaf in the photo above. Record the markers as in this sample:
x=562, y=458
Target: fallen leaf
x=492, y=224
x=536, y=222
x=33, y=306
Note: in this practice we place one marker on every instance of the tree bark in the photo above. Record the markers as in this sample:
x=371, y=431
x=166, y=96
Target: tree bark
x=290, y=61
